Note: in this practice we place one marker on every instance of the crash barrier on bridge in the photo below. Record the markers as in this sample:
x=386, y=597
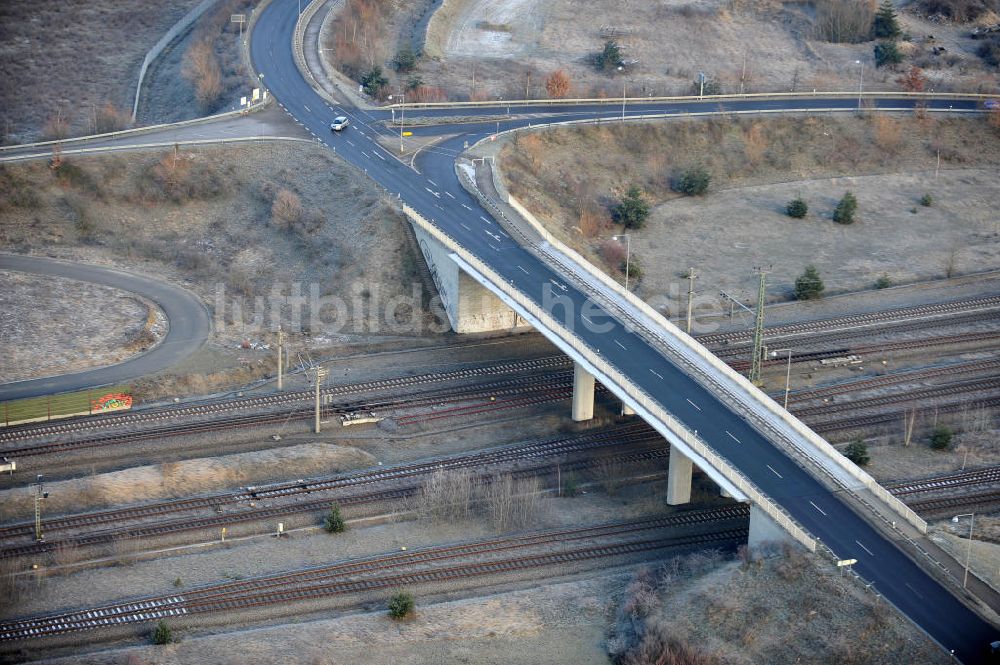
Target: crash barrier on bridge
x=147, y=146
x=171, y=34
x=675, y=432
x=736, y=386
x=615, y=101
x=125, y=133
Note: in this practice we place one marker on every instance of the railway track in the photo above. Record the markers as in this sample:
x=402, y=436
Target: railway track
x=989, y=475
x=906, y=315
x=128, y=521
x=393, y=570
x=875, y=420
x=896, y=378
x=975, y=386
x=952, y=503
x=221, y=407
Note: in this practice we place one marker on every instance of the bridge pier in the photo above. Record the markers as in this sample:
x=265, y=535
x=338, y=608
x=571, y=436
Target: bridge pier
x=627, y=410
x=470, y=307
x=679, y=478
x=583, y=393
x=764, y=531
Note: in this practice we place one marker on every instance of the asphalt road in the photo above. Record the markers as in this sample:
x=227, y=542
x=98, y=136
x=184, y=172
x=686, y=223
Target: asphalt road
x=188, y=318
x=436, y=193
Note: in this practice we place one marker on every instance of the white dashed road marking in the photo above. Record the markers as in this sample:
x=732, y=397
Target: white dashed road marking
x=864, y=548
x=694, y=405
x=773, y=471
x=733, y=437
x=656, y=373
x=620, y=344
x=817, y=508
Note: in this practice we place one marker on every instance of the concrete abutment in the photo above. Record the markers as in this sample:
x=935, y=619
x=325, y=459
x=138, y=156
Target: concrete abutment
x=679, y=478
x=583, y=393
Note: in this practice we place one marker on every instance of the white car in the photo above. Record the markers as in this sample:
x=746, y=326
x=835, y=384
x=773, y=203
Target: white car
x=339, y=123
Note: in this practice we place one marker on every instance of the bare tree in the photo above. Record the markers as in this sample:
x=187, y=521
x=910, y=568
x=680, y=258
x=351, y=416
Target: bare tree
x=201, y=68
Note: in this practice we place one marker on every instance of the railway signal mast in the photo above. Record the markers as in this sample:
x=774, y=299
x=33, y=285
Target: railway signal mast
x=40, y=494
x=320, y=375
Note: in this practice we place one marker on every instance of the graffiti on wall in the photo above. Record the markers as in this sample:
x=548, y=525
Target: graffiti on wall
x=112, y=402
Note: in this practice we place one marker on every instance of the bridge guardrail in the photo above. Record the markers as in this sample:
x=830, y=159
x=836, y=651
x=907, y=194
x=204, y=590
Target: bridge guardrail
x=166, y=144
x=614, y=101
x=645, y=401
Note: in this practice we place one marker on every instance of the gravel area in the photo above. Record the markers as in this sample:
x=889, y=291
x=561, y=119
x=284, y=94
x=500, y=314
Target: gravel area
x=51, y=325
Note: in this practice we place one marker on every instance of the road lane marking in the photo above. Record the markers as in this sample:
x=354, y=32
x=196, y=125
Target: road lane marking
x=733, y=437
x=656, y=373
x=694, y=405
x=496, y=248
x=522, y=270
x=432, y=182
x=620, y=344
x=306, y=108
x=467, y=207
x=817, y=508
x=466, y=227
x=485, y=220
x=587, y=319
x=864, y=548
x=919, y=595
x=449, y=194
x=378, y=155
x=349, y=141
x=773, y=471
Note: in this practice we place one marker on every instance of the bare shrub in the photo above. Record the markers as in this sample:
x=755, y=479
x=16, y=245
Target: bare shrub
x=10, y=588
x=56, y=127
x=610, y=474
x=888, y=133
x=961, y=11
x=844, y=21
x=558, y=84
x=110, y=118
x=755, y=143
x=201, y=68
x=448, y=495
x=613, y=252
x=509, y=503
x=286, y=210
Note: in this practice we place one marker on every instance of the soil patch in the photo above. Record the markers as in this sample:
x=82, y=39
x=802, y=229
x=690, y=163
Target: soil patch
x=53, y=326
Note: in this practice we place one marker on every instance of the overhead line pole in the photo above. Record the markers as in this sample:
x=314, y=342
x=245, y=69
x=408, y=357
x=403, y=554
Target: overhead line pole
x=758, y=327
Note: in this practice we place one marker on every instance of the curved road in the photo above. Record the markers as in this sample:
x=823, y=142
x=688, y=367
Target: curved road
x=437, y=195
x=187, y=316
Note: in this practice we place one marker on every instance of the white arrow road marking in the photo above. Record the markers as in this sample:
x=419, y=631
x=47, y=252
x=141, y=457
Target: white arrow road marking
x=773, y=471
x=733, y=437
x=864, y=548
x=817, y=508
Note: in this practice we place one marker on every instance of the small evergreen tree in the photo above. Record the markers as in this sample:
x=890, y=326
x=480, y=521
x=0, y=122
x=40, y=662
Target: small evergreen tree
x=809, y=286
x=941, y=437
x=927, y=200
x=693, y=181
x=857, y=452
x=334, y=521
x=374, y=81
x=797, y=208
x=887, y=54
x=883, y=282
x=886, y=26
x=633, y=209
x=162, y=633
x=844, y=212
x=406, y=59
x=608, y=59
x=401, y=605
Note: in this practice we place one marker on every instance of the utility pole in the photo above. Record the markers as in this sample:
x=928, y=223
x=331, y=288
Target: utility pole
x=281, y=344
x=39, y=495
x=758, y=326
x=691, y=276
x=320, y=375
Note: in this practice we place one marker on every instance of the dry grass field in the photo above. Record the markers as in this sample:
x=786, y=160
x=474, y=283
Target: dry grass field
x=485, y=49
x=249, y=226
x=67, y=61
x=571, y=178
